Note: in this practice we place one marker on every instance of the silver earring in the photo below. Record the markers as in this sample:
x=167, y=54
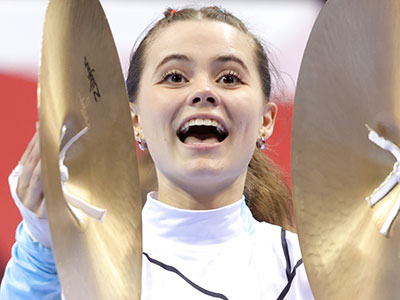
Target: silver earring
x=261, y=143
x=142, y=145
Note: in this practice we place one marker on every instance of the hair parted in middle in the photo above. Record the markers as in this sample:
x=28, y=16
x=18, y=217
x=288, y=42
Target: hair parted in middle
x=267, y=194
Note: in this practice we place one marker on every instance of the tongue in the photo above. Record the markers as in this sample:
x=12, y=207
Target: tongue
x=195, y=140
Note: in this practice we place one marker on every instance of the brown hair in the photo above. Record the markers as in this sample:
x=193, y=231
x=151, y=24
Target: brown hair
x=267, y=195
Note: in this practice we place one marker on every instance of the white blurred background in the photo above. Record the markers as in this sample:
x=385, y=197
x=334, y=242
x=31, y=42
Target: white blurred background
x=284, y=25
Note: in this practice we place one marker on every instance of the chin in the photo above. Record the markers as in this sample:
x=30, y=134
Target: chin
x=208, y=174
x=203, y=167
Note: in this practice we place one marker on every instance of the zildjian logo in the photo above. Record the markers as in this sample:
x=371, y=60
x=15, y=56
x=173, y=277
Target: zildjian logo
x=94, y=88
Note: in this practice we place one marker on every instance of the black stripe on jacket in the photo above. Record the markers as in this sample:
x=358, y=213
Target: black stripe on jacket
x=290, y=274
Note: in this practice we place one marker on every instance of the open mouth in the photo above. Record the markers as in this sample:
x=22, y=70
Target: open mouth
x=202, y=131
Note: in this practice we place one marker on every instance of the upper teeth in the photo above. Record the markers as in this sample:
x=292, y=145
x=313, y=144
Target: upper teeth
x=202, y=122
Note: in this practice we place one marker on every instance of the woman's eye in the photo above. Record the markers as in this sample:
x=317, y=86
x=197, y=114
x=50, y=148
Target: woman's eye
x=229, y=79
x=174, y=77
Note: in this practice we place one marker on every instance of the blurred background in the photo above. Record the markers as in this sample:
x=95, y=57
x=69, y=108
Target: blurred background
x=283, y=25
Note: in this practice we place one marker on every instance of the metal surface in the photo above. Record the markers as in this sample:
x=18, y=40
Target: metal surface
x=349, y=77
x=81, y=85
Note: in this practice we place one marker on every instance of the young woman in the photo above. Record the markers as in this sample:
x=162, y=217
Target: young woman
x=199, y=85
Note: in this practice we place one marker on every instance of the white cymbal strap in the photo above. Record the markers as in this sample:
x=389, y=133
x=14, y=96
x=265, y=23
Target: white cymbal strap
x=390, y=181
x=73, y=201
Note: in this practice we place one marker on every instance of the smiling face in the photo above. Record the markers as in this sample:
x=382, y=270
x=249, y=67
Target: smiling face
x=200, y=106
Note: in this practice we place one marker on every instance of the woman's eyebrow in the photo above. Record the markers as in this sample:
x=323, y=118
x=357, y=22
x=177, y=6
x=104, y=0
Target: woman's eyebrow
x=168, y=58
x=226, y=58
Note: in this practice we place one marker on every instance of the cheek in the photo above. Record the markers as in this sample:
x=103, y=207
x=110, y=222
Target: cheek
x=247, y=112
x=157, y=112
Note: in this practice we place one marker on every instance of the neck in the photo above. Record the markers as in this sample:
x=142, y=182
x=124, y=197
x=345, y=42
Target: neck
x=200, y=196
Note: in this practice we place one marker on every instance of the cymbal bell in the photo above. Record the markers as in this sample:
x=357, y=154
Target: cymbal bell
x=90, y=171
x=348, y=79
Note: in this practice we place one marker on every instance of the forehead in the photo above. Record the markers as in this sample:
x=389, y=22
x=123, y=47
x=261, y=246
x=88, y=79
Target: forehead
x=200, y=39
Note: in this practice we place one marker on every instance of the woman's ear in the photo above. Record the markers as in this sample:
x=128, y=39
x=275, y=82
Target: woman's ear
x=137, y=127
x=268, y=122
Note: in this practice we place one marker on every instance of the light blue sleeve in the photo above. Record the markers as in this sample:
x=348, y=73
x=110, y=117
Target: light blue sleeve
x=31, y=272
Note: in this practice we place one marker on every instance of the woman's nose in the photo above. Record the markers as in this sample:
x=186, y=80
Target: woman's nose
x=203, y=96
x=209, y=99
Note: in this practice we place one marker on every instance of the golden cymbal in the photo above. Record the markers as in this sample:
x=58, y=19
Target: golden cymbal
x=94, y=208
x=348, y=79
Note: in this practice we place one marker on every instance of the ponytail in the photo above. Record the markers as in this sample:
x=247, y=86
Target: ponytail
x=267, y=195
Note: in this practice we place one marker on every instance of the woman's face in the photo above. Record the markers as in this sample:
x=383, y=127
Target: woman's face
x=200, y=104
